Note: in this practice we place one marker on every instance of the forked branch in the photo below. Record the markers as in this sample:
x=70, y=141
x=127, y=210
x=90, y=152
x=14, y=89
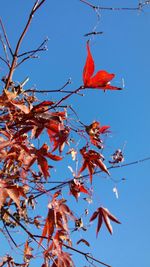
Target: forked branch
x=36, y=6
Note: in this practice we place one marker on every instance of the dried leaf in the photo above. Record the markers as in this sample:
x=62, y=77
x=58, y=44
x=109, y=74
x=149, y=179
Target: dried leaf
x=83, y=241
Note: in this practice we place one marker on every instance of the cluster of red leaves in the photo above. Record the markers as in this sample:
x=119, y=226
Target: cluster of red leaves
x=59, y=138
x=57, y=217
x=105, y=216
x=34, y=118
x=94, y=130
x=21, y=121
x=92, y=159
x=20, y=117
x=101, y=80
x=60, y=258
x=56, y=231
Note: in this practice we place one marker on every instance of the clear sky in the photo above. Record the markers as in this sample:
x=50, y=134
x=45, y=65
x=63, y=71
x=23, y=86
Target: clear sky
x=123, y=49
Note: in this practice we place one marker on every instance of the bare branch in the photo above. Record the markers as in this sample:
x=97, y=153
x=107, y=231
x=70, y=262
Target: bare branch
x=5, y=61
x=5, y=51
x=6, y=38
x=61, y=185
x=13, y=241
x=92, y=33
x=36, y=6
x=139, y=7
x=51, y=91
x=86, y=255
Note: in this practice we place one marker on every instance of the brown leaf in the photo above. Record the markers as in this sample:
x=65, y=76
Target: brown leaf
x=83, y=241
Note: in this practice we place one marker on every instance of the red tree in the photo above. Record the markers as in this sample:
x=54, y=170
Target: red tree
x=27, y=167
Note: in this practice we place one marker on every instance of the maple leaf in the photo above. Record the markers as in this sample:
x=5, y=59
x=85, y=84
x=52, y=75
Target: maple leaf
x=60, y=258
x=59, y=139
x=40, y=155
x=48, y=227
x=105, y=216
x=92, y=159
x=101, y=79
x=76, y=188
x=94, y=130
x=57, y=217
x=14, y=192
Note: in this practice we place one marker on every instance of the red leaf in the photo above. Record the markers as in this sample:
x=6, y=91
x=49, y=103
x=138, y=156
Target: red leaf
x=94, y=216
x=99, y=224
x=48, y=227
x=94, y=130
x=59, y=139
x=89, y=66
x=76, y=187
x=91, y=160
x=43, y=105
x=111, y=217
x=107, y=221
x=102, y=166
x=105, y=216
x=104, y=129
x=101, y=79
x=43, y=165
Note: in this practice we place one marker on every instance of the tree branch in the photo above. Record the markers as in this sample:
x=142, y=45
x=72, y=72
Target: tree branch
x=87, y=175
x=5, y=52
x=15, y=55
x=6, y=38
x=139, y=7
x=85, y=254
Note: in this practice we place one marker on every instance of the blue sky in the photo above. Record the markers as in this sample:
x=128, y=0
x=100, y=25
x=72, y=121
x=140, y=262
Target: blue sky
x=123, y=49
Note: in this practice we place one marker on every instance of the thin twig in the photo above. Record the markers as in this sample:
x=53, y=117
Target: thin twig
x=40, y=48
x=31, y=54
x=13, y=241
x=6, y=38
x=87, y=175
x=85, y=254
x=5, y=61
x=92, y=33
x=51, y=91
x=67, y=96
x=23, y=227
x=139, y=7
x=15, y=55
x=5, y=51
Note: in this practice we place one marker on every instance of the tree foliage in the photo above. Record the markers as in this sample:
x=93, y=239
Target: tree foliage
x=36, y=137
